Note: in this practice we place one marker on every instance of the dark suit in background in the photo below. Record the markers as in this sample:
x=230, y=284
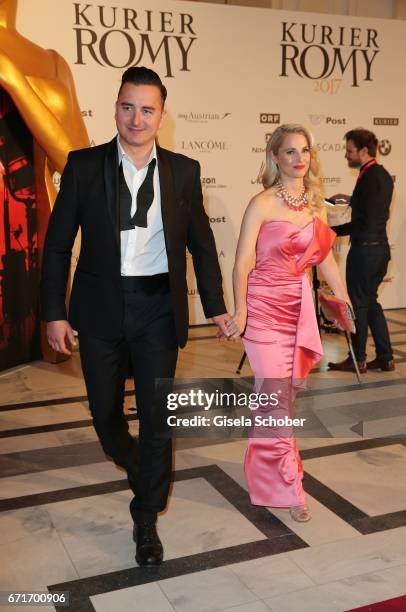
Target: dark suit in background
x=368, y=257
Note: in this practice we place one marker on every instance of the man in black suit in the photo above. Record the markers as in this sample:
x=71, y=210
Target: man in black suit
x=369, y=254
x=138, y=207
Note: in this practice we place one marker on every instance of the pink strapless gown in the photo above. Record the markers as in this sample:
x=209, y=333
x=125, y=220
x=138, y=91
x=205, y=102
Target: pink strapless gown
x=282, y=342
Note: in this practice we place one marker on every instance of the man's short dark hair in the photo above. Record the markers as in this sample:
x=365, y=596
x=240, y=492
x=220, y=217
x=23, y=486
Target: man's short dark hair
x=140, y=75
x=363, y=138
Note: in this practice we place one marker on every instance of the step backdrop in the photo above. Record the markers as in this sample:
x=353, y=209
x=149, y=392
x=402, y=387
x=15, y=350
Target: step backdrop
x=233, y=75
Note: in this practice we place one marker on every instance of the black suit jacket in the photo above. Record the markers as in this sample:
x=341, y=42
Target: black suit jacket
x=370, y=204
x=88, y=199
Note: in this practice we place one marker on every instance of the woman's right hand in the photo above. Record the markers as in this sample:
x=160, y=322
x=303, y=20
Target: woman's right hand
x=236, y=325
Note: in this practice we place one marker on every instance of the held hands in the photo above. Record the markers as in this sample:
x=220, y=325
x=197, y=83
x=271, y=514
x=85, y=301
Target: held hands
x=60, y=336
x=236, y=325
x=221, y=322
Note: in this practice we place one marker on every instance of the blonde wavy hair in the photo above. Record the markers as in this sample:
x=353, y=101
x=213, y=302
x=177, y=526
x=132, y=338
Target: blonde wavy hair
x=312, y=182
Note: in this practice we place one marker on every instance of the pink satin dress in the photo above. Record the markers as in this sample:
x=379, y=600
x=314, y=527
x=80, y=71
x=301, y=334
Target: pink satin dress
x=282, y=342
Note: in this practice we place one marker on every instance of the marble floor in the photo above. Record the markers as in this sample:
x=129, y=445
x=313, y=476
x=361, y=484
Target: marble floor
x=65, y=526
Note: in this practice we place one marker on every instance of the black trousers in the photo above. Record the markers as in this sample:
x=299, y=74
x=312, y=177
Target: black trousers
x=149, y=339
x=366, y=269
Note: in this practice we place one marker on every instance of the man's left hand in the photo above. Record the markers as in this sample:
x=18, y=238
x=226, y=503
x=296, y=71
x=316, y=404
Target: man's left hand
x=220, y=321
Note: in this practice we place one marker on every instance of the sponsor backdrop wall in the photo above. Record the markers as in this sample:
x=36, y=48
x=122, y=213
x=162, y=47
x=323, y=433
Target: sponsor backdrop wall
x=233, y=75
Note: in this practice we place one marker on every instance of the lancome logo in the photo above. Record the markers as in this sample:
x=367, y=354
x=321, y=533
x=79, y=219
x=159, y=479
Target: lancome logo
x=204, y=146
x=120, y=37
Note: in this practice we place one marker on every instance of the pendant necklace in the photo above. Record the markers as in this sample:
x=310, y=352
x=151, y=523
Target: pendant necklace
x=294, y=203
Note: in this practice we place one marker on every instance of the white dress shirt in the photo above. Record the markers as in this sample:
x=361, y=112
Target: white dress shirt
x=143, y=250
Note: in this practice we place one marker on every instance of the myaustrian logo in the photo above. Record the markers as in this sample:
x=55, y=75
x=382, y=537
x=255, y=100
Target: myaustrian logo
x=386, y=121
x=327, y=120
x=204, y=146
x=192, y=117
x=269, y=118
x=315, y=51
x=119, y=37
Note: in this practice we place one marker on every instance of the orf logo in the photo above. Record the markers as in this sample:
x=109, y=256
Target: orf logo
x=269, y=118
x=384, y=147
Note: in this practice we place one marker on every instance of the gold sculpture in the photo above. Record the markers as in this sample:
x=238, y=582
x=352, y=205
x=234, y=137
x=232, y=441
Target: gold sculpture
x=40, y=83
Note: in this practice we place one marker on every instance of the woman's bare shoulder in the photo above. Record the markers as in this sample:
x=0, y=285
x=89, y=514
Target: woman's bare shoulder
x=261, y=203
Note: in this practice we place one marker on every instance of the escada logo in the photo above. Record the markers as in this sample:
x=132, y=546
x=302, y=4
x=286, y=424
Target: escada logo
x=121, y=37
x=204, y=146
x=203, y=117
x=330, y=147
x=314, y=51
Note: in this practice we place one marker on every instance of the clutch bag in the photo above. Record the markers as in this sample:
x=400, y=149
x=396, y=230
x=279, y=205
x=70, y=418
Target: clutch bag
x=338, y=311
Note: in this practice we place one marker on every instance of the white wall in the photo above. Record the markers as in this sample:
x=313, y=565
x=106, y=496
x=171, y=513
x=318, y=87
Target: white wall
x=233, y=74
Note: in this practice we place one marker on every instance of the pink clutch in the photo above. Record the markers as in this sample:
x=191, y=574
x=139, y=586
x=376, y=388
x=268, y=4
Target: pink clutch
x=337, y=311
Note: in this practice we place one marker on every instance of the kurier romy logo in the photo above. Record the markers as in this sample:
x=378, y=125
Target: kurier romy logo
x=326, y=51
x=119, y=37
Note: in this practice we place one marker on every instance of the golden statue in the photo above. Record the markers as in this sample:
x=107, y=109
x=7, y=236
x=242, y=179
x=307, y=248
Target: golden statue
x=41, y=86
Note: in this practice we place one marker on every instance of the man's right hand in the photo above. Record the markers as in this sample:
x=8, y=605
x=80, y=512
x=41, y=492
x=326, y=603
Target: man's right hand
x=58, y=332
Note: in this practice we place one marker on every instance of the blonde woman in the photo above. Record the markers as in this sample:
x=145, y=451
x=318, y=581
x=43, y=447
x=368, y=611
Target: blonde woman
x=283, y=234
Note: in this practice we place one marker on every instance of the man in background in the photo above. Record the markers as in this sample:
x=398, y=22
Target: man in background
x=369, y=253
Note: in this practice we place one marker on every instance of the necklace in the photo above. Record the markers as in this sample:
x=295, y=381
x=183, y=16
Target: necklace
x=294, y=203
